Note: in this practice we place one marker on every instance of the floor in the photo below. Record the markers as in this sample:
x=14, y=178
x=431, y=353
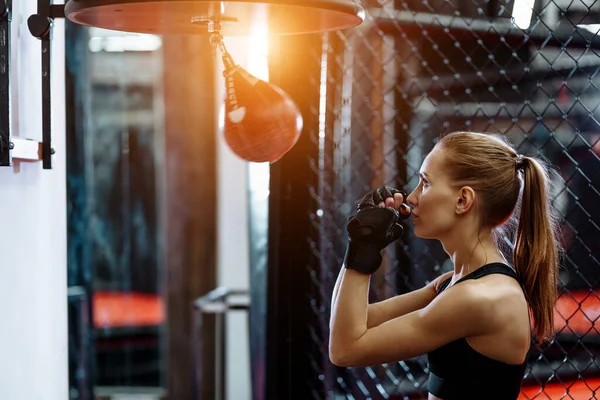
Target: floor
x=129, y=393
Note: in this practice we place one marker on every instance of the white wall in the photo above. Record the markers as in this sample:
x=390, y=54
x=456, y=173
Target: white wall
x=33, y=248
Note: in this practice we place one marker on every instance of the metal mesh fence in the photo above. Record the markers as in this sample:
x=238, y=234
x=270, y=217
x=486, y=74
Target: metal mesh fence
x=416, y=69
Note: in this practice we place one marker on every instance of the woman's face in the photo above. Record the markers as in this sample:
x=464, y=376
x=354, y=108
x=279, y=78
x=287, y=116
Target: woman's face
x=433, y=200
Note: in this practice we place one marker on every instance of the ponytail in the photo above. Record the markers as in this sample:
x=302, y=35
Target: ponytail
x=536, y=251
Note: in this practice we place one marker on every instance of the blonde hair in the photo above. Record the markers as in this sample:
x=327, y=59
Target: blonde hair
x=500, y=177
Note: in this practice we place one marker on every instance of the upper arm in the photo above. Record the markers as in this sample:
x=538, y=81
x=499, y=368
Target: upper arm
x=397, y=306
x=450, y=316
x=380, y=312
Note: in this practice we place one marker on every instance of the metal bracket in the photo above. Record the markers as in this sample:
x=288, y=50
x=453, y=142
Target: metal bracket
x=25, y=149
x=4, y=82
x=40, y=26
x=11, y=148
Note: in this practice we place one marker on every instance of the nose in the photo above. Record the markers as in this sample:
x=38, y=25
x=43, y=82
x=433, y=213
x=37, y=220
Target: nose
x=412, y=198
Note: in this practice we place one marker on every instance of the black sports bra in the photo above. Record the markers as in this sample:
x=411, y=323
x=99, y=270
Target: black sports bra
x=457, y=371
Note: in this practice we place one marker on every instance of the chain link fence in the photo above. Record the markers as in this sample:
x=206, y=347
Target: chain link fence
x=415, y=70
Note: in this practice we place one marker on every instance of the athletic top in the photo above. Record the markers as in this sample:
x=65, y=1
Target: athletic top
x=457, y=371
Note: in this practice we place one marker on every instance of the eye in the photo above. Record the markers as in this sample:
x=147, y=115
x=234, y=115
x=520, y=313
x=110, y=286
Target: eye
x=423, y=181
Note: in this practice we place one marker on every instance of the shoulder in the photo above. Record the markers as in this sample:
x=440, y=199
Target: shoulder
x=484, y=302
x=496, y=288
x=468, y=303
x=469, y=295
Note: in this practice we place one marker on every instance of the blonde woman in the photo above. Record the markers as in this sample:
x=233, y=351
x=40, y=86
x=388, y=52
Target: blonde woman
x=473, y=322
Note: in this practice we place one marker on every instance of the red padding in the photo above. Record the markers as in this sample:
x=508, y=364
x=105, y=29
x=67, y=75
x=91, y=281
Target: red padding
x=577, y=312
x=126, y=309
x=577, y=390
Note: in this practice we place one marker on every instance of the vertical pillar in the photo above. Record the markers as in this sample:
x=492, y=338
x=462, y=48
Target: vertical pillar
x=188, y=199
x=294, y=65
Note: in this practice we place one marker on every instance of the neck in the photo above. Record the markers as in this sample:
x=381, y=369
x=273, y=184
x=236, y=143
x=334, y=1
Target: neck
x=471, y=253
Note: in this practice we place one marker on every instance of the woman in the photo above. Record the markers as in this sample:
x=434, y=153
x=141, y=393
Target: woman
x=473, y=322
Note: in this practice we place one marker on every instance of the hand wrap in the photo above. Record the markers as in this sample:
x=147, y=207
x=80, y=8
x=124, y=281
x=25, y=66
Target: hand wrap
x=371, y=229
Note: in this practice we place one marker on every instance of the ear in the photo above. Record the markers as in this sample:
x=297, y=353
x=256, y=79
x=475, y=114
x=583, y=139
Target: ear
x=465, y=200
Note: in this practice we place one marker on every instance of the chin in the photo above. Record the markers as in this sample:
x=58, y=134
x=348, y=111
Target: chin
x=421, y=233
x=417, y=232
x=421, y=236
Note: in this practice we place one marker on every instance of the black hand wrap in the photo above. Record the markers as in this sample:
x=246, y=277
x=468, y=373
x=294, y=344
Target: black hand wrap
x=371, y=230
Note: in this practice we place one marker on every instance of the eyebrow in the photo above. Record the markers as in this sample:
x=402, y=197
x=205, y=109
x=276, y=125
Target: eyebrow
x=424, y=174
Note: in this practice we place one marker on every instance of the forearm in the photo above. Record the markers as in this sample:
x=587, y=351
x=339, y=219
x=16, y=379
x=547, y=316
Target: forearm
x=336, y=288
x=349, y=310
